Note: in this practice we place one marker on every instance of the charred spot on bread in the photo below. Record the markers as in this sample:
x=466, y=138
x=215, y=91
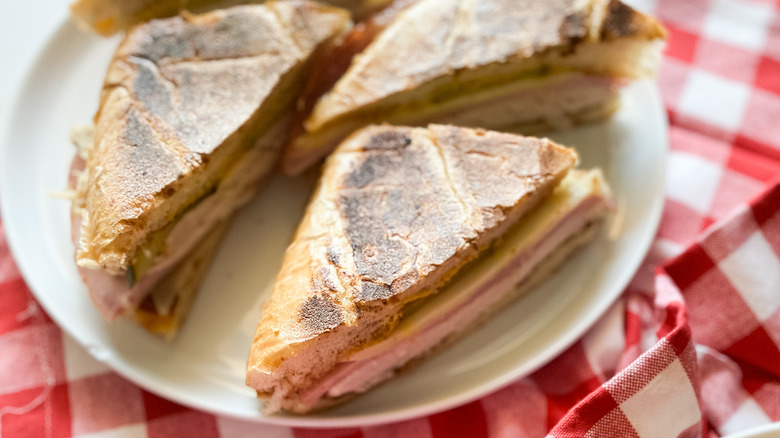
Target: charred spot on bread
x=319, y=314
x=333, y=256
x=619, y=21
x=370, y=291
x=574, y=28
x=372, y=168
x=622, y=20
x=392, y=140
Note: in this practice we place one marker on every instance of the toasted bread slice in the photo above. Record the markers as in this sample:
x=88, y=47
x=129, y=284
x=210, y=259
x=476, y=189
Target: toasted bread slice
x=107, y=17
x=398, y=212
x=526, y=65
x=192, y=115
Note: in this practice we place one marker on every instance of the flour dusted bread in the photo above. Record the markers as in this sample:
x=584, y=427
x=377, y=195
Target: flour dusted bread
x=398, y=213
x=192, y=114
x=107, y=17
x=527, y=65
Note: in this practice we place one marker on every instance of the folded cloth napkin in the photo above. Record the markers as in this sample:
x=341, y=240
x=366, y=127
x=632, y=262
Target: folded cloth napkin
x=690, y=349
x=716, y=364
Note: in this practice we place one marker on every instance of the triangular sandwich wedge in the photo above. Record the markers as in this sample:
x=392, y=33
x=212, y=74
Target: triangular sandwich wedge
x=193, y=112
x=525, y=66
x=413, y=237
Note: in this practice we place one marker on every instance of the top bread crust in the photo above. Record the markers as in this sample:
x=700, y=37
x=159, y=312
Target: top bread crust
x=432, y=39
x=397, y=211
x=175, y=91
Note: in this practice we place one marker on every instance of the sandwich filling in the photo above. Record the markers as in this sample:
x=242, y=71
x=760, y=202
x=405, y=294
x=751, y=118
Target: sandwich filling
x=535, y=105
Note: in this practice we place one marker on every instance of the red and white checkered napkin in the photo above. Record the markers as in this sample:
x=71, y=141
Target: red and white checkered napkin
x=691, y=348
x=716, y=364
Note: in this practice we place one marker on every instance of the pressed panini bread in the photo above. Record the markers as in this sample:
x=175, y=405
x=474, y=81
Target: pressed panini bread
x=521, y=65
x=107, y=17
x=397, y=214
x=192, y=114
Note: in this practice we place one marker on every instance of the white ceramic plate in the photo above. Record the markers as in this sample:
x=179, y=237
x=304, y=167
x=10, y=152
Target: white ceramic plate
x=771, y=430
x=204, y=367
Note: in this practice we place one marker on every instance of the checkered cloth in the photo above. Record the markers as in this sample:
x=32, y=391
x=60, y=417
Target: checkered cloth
x=690, y=349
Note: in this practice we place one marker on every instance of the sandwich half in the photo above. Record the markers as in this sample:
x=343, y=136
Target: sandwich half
x=107, y=17
x=516, y=65
x=193, y=112
x=413, y=238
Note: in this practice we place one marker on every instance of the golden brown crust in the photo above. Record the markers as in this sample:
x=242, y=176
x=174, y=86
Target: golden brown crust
x=176, y=90
x=432, y=40
x=107, y=17
x=397, y=210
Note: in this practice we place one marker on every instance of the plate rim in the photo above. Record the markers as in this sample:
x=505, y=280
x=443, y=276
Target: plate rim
x=171, y=393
